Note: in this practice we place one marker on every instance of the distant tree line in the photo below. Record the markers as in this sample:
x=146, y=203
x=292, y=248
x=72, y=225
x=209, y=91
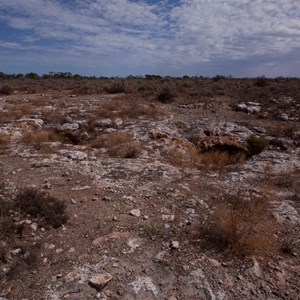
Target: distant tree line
x=68, y=75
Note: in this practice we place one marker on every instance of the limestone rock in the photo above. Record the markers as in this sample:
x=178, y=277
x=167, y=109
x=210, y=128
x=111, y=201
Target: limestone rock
x=30, y=123
x=175, y=245
x=68, y=126
x=168, y=218
x=249, y=107
x=135, y=212
x=34, y=226
x=74, y=155
x=285, y=212
x=100, y=281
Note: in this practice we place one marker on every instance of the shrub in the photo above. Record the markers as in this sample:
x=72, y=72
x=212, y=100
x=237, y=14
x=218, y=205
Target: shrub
x=5, y=90
x=241, y=227
x=31, y=75
x=256, y=145
x=41, y=205
x=261, y=81
x=165, y=95
x=116, y=88
x=218, y=77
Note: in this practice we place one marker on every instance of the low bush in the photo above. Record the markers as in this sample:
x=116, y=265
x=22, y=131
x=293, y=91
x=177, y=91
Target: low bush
x=115, y=88
x=166, y=95
x=241, y=226
x=6, y=90
x=261, y=81
x=256, y=145
x=39, y=204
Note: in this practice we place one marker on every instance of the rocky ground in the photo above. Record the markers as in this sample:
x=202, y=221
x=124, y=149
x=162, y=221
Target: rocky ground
x=142, y=202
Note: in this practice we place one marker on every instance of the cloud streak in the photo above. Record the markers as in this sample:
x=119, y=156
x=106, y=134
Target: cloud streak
x=146, y=33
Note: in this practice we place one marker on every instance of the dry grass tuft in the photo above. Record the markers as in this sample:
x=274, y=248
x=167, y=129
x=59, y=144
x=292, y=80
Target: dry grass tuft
x=220, y=159
x=121, y=144
x=4, y=139
x=109, y=108
x=241, y=227
x=39, y=136
x=128, y=150
x=98, y=142
x=61, y=104
x=130, y=107
x=183, y=155
x=118, y=138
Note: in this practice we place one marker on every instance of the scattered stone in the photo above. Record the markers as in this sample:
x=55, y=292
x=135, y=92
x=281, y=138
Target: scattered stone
x=250, y=107
x=135, y=212
x=74, y=155
x=100, y=281
x=285, y=212
x=133, y=243
x=104, y=123
x=168, y=218
x=31, y=123
x=80, y=188
x=284, y=117
x=175, y=245
x=118, y=121
x=256, y=268
x=73, y=201
x=144, y=284
x=51, y=246
x=214, y=262
x=16, y=251
x=109, y=130
x=34, y=226
x=68, y=126
x=47, y=184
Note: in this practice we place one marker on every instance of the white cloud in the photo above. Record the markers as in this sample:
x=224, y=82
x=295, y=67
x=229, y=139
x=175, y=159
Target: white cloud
x=9, y=45
x=237, y=28
x=170, y=32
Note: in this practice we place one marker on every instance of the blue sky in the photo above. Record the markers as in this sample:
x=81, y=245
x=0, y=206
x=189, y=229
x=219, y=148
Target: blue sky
x=127, y=37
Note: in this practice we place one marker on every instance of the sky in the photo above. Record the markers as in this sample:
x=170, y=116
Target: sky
x=241, y=38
